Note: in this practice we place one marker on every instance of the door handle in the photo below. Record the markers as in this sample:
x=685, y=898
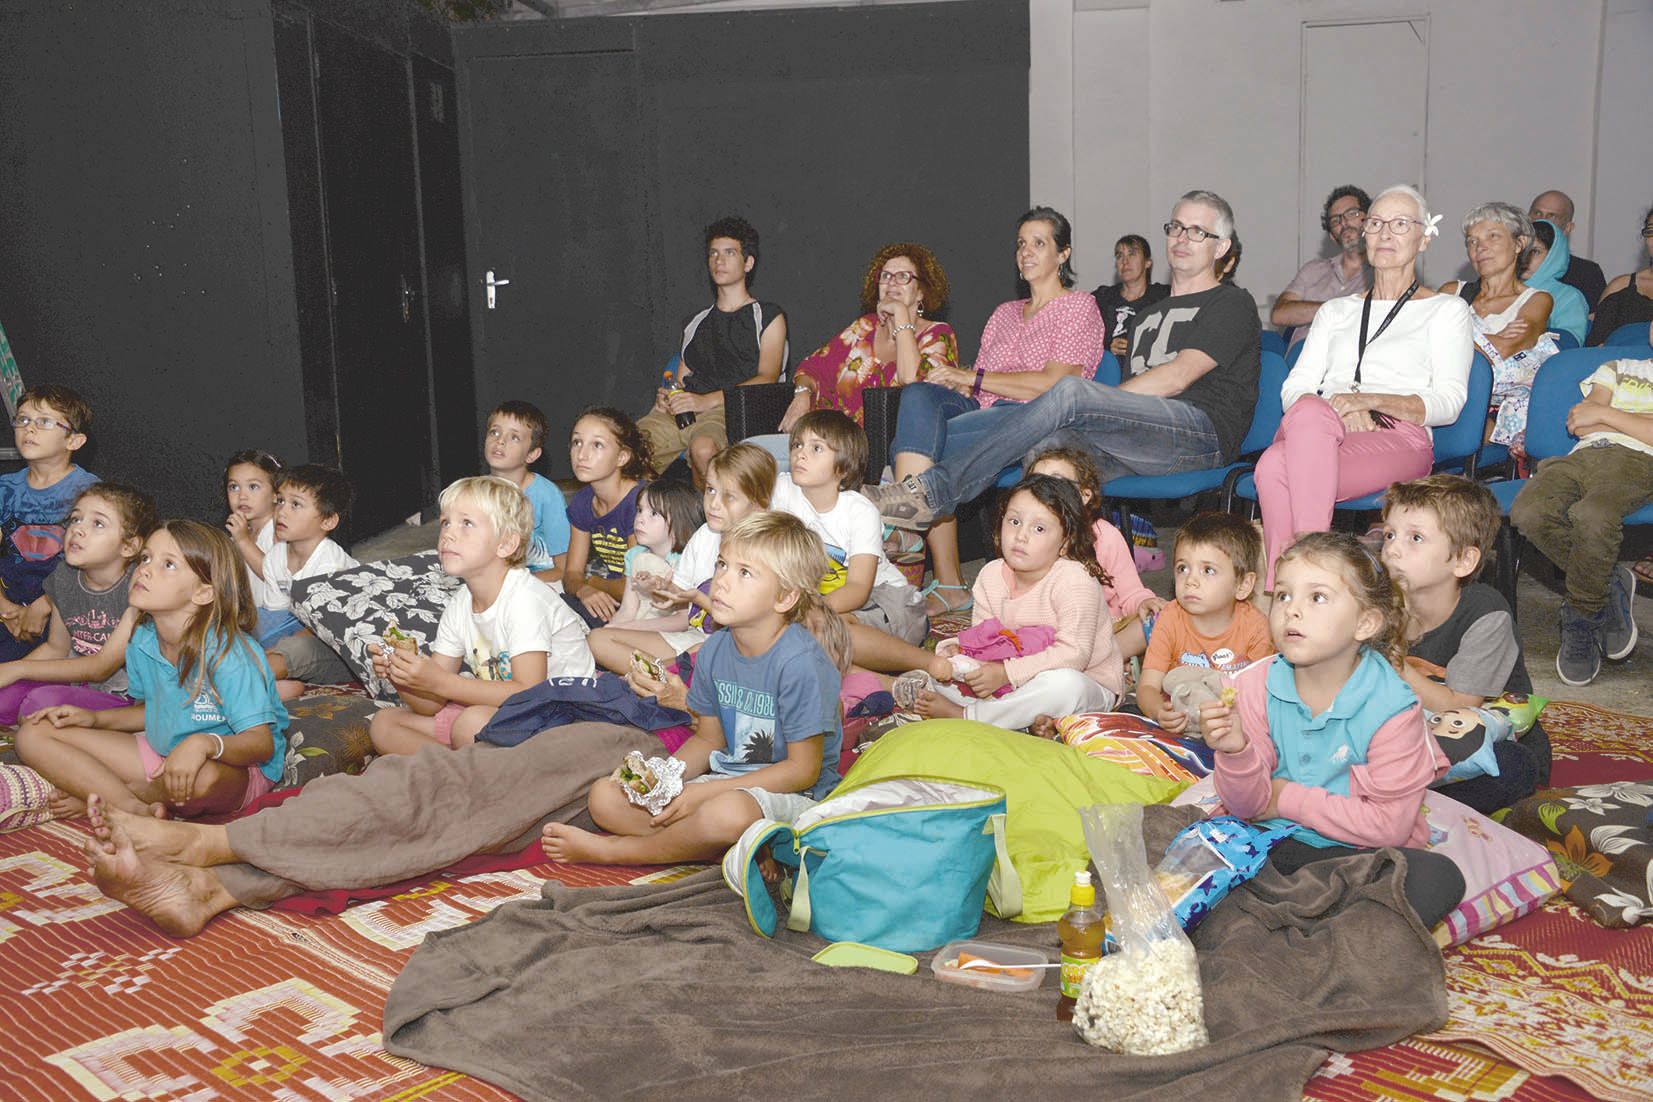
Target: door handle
x=492, y=285
x=407, y=300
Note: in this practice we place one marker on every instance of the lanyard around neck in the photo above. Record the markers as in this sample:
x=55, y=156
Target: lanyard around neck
x=1366, y=319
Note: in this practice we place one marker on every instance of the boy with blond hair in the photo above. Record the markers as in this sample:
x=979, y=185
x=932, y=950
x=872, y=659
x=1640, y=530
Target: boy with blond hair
x=512, y=444
x=502, y=628
x=51, y=425
x=1462, y=648
x=768, y=730
x=1573, y=510
x=1212, y=624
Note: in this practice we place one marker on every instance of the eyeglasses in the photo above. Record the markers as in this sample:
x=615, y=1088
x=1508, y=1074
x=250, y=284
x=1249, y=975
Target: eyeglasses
x=1400, y=227
x=1196, y=234
x=900, y=279
x=45, y=424
x=1351, y=217
x=1647, y=231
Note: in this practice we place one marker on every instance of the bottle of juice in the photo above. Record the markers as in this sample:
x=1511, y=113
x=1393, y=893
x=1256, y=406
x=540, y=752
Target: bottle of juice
x=1081, y=929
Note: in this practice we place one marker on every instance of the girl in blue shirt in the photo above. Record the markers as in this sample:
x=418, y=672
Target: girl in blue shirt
x=208, y=726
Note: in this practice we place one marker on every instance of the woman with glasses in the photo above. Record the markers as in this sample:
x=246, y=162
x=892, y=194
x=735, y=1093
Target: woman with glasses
x=1377, y=371
x=1029, y=344
x=1629, y=298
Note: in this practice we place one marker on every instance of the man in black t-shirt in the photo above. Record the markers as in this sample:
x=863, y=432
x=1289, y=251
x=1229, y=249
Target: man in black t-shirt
x=1185, y=404
x=735, y=341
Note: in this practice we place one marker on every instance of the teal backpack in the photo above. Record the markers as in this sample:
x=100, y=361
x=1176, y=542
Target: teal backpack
x=903, y=864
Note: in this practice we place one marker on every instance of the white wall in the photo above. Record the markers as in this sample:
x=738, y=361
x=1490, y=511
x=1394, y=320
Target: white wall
x=1512, y=110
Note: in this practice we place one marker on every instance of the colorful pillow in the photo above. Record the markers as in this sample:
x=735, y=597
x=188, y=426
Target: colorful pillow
x=329, y=734
x=1467, y=737
x=350, y=609
x=1136, y=744
x=1602, y=840
x=1045, y=784
x=1505, y=875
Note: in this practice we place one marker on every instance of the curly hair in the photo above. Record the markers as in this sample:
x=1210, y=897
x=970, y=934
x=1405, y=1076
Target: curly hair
x=627, y=435
x=932, y=279
x=1061, y=497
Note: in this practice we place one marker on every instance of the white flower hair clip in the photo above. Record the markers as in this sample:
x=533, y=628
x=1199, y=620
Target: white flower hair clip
x=1432, y=228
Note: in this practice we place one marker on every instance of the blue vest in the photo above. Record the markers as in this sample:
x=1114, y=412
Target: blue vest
x=1319, y=750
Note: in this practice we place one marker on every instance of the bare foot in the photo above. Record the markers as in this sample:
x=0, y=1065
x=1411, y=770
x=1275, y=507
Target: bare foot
x=769, y=869
x=570, y=844
x=289, y=690
x=152, y=835
x=177, y=898
x=932, y=705
x=64, y=806
x=1044, y=727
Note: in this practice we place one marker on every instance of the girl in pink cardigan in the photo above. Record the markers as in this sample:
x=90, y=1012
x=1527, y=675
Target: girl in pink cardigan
x=1048, y=578
x=1132, y=606
x=1326, y=734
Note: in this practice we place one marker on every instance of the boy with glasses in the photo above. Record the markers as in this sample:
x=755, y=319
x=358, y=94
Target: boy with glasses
x=1327, y=277
x=51, y=424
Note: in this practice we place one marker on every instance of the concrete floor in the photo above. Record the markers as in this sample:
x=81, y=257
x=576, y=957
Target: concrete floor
x=1622, y=687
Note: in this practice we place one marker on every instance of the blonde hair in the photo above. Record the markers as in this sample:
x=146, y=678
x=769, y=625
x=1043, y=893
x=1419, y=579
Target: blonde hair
x=781, y=542
x=749, y=468
x=503, y=503
x=1372, y=587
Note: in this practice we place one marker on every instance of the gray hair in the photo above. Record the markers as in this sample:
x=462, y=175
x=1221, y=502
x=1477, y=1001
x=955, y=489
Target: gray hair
x=1511, y=217
x=1411, y=193
x=1225, y=213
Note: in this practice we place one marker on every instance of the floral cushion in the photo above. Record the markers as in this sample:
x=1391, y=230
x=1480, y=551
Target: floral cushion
x=1602, y=840
x=350, y=609
x=328, y=734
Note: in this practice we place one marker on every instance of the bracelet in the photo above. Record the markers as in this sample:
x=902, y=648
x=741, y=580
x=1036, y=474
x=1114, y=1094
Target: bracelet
x=975, y=389
x=801, y=389
x=910, y=327
x=220, y=739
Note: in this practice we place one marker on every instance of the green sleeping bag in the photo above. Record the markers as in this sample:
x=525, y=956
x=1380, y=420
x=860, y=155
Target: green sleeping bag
x=1045, y=784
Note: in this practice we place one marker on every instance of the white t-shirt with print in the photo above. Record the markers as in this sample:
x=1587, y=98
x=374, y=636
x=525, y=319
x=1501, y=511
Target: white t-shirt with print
x=699, y=558
x=527, y=616
x=851, y=527
x=278, y=581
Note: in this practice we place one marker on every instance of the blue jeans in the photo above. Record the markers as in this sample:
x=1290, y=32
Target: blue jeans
x=926, y=418
x=1128, y=433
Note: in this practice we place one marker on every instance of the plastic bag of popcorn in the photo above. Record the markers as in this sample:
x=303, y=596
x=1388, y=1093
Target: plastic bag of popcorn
x=1144, y=998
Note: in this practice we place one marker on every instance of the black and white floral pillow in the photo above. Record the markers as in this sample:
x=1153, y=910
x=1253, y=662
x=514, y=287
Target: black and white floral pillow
x=350, y=609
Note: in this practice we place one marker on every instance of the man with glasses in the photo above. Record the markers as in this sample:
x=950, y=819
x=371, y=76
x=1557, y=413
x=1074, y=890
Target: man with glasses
x=1185, y=404
x=1586, y=275
x=1328, y=277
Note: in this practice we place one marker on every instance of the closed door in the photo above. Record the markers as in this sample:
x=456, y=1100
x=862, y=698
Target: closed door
x=569, y=233
x=381, y=371
x=1365, y=108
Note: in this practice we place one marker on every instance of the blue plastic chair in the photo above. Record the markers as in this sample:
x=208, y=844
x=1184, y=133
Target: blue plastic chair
x=1455, y=445
x=1628, y=336
x=1274, y=342
x=1292, y=353
x=1265, y=422
x=1563, y=339
x=1555, y=390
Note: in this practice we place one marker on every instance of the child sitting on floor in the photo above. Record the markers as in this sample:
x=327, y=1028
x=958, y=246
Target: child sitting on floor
x=511, y=444
x=51, y=423
x=83, y=659
x=668, y=515
x=1047, y=578
x=1132, y=606
x=250, y=479
x=829, y=457
x=1462, y=646
x=311, y=500
x=739, y=481
x=1327, y=734
x=207, y=735
x=768, y=733
x=507, y=630
x=1573, y=509
x=610, y=458
x=1212, y=623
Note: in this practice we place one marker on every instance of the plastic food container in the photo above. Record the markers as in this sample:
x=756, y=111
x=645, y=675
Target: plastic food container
x=1008, y=956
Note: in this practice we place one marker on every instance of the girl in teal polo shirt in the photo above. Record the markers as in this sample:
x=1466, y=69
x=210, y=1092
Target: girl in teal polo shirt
x=1325, y=734
x=207, y=733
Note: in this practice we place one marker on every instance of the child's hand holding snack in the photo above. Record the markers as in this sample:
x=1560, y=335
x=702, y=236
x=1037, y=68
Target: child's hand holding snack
x=1221, y=723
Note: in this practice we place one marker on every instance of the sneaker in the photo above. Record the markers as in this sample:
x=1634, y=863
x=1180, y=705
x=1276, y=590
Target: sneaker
x=1618, y=638
x=1578, y=660
x=909, y=687
x=903, y=504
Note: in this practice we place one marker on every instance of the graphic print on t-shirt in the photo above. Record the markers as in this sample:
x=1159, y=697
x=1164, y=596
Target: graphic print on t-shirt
x=205, y=710
x=610, y=546
x=486, y=663
x=751, y=734
x=90, y=630
x=1156, y=329
x=838, y=572
x=1223, y=658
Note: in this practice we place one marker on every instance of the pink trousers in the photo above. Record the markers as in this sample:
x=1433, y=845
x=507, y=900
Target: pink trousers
x=1314, y=463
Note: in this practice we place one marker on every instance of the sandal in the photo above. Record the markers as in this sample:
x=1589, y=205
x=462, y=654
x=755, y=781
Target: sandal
x=947, y=607
x=1644, y=569
x=901, y=545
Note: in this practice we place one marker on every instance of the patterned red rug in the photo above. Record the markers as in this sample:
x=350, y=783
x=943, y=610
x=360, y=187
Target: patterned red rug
x=280, y=1005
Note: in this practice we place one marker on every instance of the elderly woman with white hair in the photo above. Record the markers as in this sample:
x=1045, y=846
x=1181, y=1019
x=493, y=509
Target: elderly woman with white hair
x=1377, y=371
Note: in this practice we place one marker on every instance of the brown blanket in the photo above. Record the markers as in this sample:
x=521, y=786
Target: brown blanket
x=666, y=992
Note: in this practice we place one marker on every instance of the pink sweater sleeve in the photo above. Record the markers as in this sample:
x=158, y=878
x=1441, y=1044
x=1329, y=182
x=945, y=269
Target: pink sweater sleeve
x=1385, y=794
x=1069, y=600
x=1244, y=780
x=1127, y=592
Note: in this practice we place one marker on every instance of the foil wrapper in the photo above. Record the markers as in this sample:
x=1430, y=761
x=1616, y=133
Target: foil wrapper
x=668, y=785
